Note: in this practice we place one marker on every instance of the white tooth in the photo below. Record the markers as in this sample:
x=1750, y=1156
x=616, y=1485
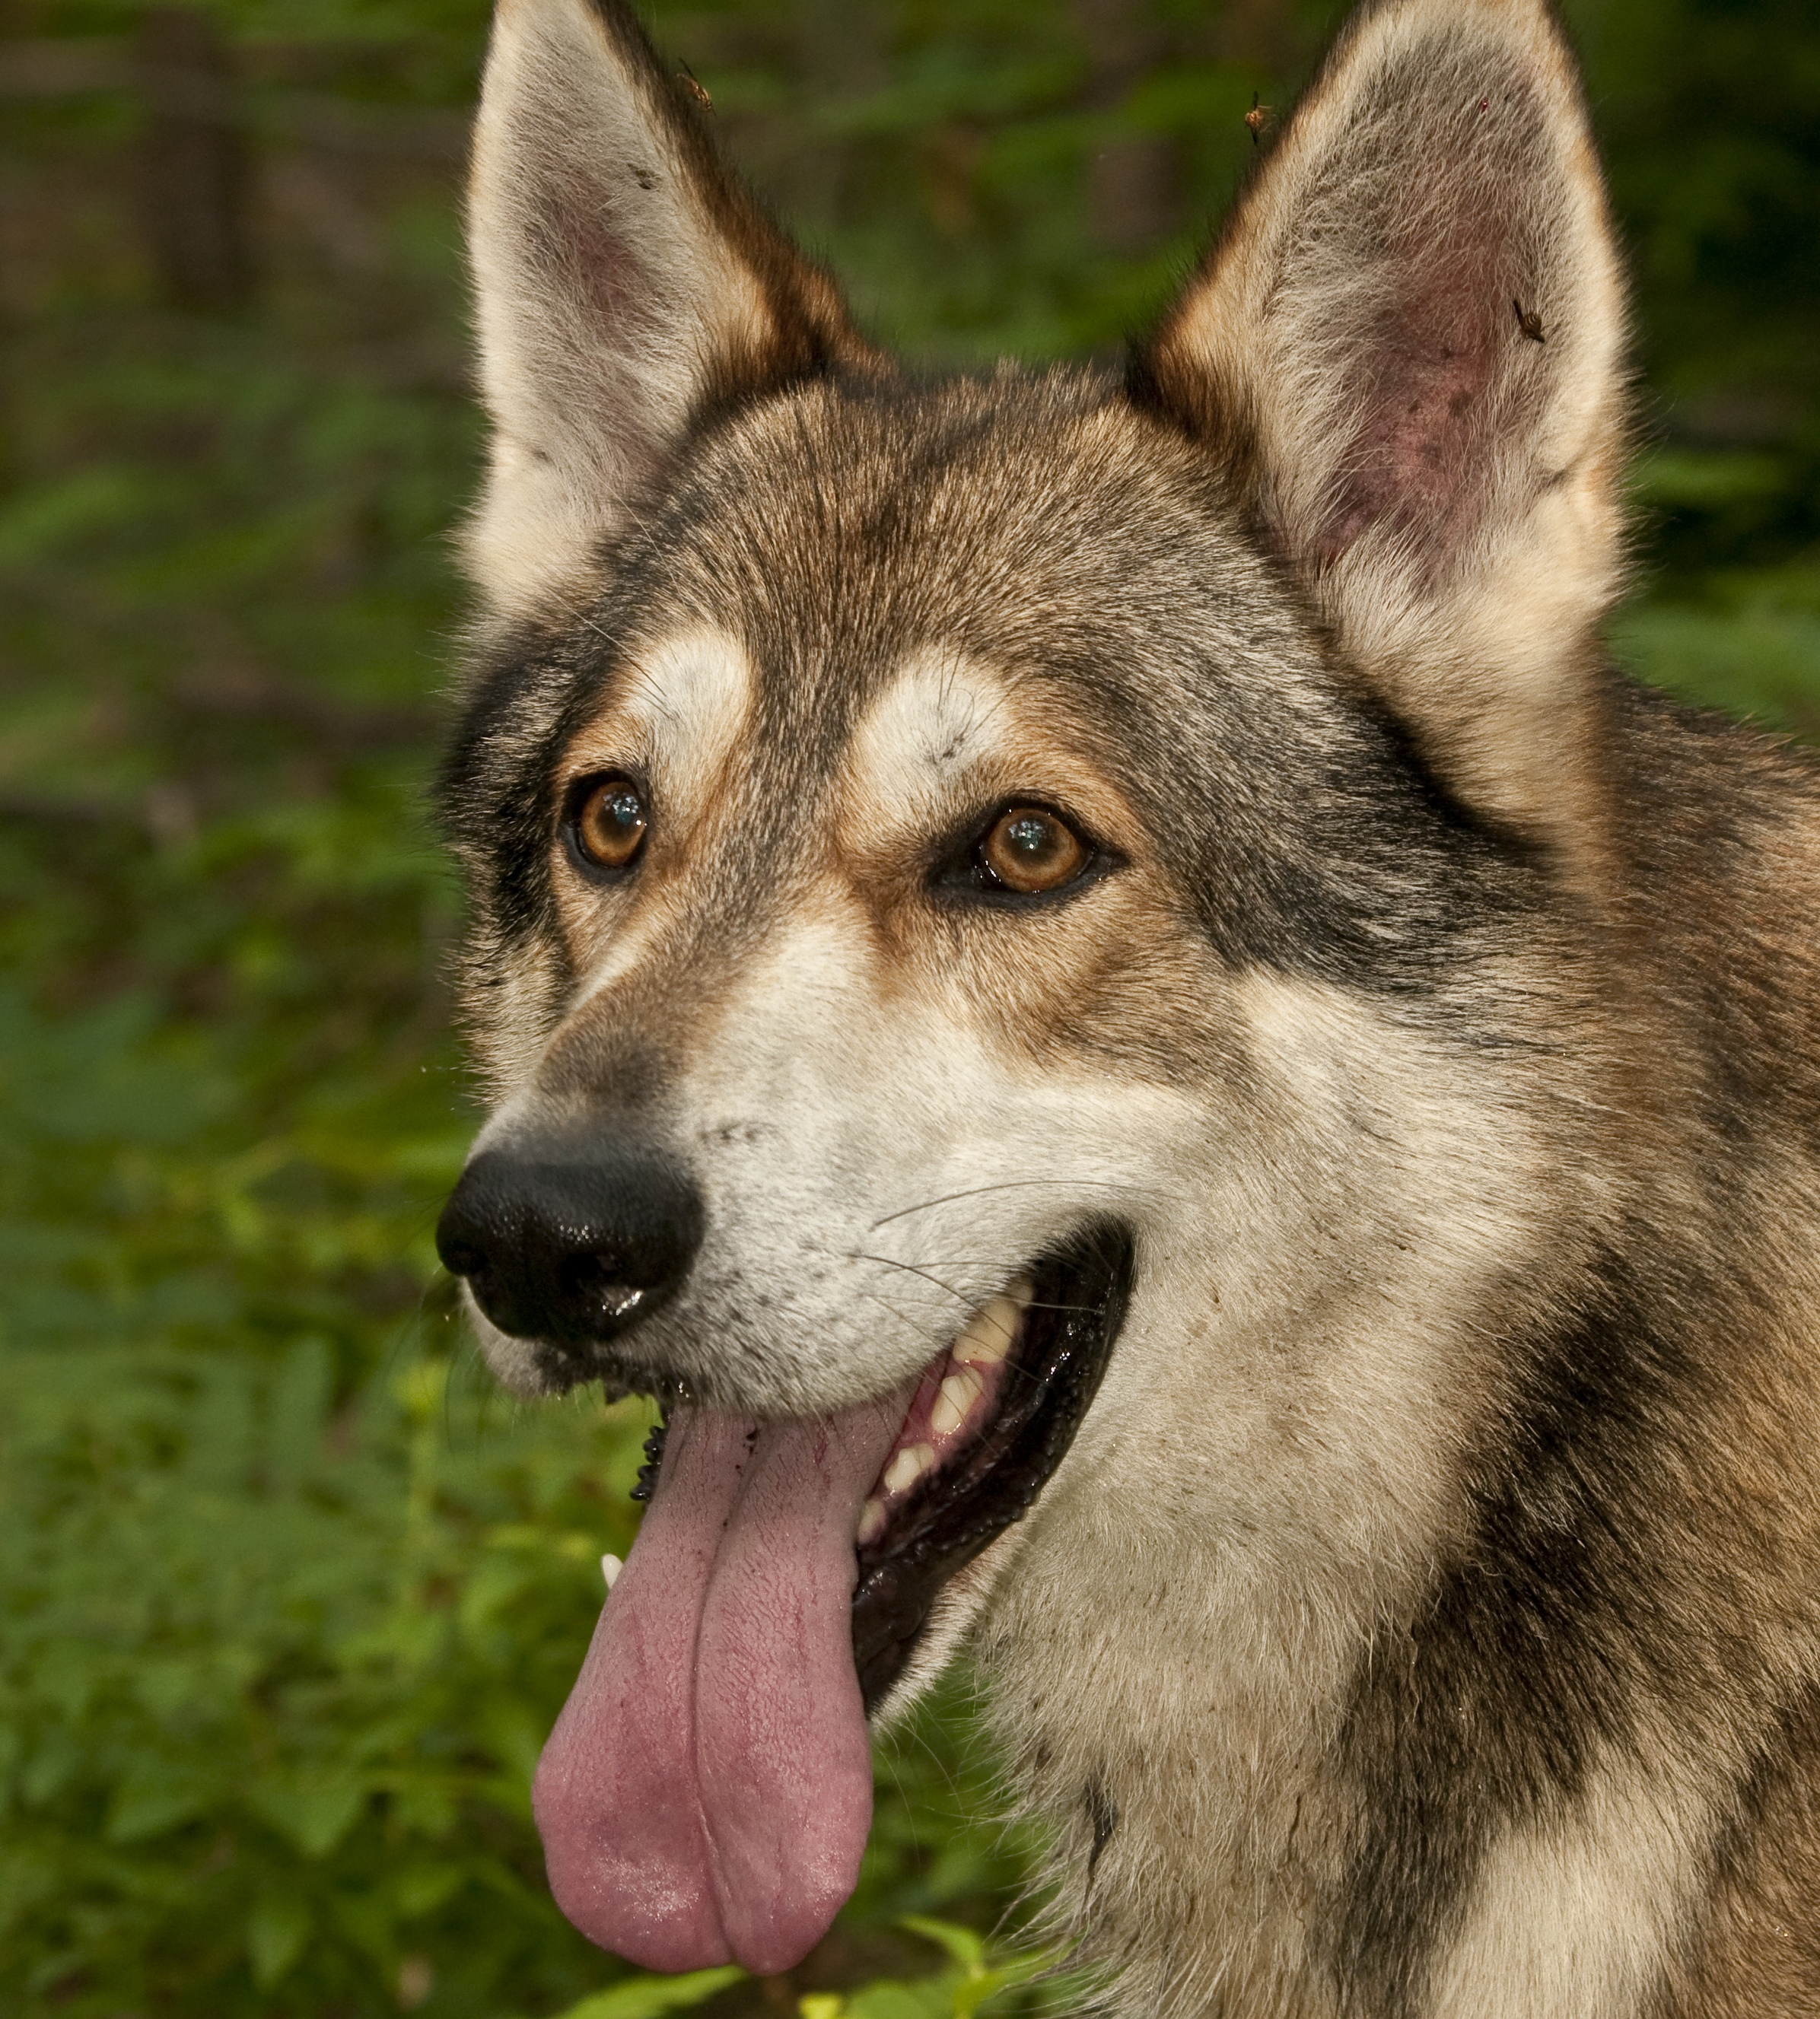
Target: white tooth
x=959, y=1392
x=610, y=1567
x=871, y=1522
x=908, y=1467
x=988, y=1333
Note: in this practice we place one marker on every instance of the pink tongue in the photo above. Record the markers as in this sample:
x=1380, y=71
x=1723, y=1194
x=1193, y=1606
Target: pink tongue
x=707, y=1790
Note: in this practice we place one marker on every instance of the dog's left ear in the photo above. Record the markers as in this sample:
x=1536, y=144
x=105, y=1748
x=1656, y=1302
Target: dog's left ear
x=624, y=280
x=1406, y=346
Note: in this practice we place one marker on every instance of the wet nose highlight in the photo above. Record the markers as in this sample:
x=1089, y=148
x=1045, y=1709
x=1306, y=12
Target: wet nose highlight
x=572, y=1249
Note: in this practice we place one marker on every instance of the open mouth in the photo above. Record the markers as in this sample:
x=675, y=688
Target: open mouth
x=992, y=1419
x=707, y=1791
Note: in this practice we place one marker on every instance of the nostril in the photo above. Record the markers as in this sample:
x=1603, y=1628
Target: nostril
x=463, y=1258
x=582, y=1275
x=599, y=1285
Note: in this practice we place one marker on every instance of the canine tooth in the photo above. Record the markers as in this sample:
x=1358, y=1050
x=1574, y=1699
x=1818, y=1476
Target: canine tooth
x=960, y=1391
x=908, y=1467
x=986, y=1336
x=871, y=1522
x=610, y=1567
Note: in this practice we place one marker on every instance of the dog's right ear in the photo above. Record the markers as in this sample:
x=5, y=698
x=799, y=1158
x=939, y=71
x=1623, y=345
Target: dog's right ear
x=624, y=280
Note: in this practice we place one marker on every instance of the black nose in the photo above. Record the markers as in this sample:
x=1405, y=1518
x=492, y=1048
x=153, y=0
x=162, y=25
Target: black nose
x=575, y=1252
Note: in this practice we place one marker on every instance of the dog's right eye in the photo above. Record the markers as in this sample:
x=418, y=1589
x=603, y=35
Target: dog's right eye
x=608, y=822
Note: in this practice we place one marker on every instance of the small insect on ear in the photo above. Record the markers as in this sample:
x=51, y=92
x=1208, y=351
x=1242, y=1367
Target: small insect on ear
x=623, y=280
x=1405, y=348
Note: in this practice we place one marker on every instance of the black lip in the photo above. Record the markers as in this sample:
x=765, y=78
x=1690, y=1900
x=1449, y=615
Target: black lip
x=1081, y=1291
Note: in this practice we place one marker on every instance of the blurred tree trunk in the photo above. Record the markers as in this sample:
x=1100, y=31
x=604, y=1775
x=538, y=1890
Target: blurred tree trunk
x=193, y=161
x=1133, y=191
x=1268, y=33
x=839, y=57
x=14, y=21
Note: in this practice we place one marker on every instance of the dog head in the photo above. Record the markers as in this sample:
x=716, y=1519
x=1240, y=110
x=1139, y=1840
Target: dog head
x=1024, y=921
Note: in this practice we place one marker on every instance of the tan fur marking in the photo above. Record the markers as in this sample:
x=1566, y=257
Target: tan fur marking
x=1755, y=1950
x=946, y=742
x=946, y=735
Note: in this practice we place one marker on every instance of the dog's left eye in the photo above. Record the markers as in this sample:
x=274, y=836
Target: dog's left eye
x=1027, y=849
x=607, y=821
x=1024, y=851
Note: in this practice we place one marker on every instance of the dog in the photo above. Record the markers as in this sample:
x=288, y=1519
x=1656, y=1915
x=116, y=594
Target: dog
x=1090, y=976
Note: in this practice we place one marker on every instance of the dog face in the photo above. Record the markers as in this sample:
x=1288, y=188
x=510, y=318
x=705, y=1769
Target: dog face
x=1022, y=921
x=893, y=1077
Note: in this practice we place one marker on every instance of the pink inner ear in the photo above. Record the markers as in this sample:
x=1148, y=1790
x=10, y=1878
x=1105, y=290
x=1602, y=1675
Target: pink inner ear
x=587, y=254
x=1425, y=378
x=591, y=254
x=1448, y=195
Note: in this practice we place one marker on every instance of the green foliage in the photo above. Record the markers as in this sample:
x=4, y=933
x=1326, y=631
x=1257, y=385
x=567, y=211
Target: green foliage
x=648, y=1997
x=276, y=1674
x=970, y=1979
x=290, y=1596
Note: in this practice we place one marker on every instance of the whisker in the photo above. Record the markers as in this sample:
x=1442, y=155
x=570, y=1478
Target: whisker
x=885, y=1304
x=1015, y=1184
x=911, y=1269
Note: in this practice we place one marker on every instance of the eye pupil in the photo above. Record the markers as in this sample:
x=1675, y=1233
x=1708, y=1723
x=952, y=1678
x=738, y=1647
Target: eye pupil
x=610, y=823
x=1029, y=850
x=1031, y=836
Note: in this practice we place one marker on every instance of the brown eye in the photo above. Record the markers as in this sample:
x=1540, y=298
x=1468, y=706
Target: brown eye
x=609, y=825
x=1027, y=849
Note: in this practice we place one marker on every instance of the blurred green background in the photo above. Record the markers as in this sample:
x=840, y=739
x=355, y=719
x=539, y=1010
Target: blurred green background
x=288, y=1597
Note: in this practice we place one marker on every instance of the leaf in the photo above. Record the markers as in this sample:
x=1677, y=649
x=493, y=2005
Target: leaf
x=298, y=1409
x=276, y=1931
x=970, y=1996
x=516, y=1739
x=419, y=1889
x=649, y=1997
x=890, y=1999
x=48, y=1770
x=424, y=1808
x=315, y=1812
x=153, y=1798
x=965, y=1993
x=962, y=1945
x=419, y=1390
